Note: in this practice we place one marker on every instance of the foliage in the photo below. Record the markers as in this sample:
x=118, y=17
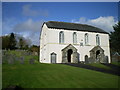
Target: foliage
x=5, y=42
x=14, y=41
x=34, y=48
x=23, y=44
x=115, y=38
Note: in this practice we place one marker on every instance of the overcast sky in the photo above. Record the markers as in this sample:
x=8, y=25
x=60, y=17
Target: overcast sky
x=26, y=18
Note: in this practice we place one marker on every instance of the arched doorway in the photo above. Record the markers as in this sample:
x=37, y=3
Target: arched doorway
x=53, y=57
x=69, y=56
x=98, y=55
x=86, y=59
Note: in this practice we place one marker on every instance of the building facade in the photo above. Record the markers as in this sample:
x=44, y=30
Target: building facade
x=62, y=42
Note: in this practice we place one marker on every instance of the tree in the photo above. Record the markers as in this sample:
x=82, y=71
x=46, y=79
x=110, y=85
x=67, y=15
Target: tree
x=115, y=38
x=34, y=48
x=12, y=43
x=5, y=42
x=21, y=43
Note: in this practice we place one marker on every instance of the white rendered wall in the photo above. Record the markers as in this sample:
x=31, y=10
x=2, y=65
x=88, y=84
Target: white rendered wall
x=51, y=43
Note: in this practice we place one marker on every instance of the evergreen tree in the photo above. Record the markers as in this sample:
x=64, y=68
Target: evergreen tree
x=115, y=38
x=12, y=43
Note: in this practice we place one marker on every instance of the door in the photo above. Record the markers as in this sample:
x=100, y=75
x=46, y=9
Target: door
x=53, y=57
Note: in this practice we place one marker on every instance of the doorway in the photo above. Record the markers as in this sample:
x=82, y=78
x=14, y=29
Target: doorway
x=98, y=55
x=69, y=56
x=53, y=57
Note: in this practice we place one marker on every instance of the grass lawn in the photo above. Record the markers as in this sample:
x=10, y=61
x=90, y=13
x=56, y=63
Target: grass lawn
x=98, y=65
x=116, y=63
x=55, y=76
x=0, y=76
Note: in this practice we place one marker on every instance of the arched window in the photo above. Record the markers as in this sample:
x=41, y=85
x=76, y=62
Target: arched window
x=53, y=57
x=74, y=38
x=97, y=39
x=61, y=37
x=86, y=39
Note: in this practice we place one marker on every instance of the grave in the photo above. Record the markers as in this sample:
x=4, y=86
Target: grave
x=10, y=59
x=21, y=60
x=31, y=61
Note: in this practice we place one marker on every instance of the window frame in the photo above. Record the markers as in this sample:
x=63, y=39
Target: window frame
x=86, y=39
x=97, y=39
x=61, y=37
x=74, y=38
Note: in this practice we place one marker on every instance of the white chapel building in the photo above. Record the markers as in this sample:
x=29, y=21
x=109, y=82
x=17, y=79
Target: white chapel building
x=63, y=42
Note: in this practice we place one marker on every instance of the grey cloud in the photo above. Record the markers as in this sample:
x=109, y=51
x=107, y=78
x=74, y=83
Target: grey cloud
x=28, y=11
x=29, y=29
x=28, y=25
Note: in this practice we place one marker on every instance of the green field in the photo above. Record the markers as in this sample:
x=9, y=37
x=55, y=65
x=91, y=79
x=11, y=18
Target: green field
x=41, y=75
x=55, y=76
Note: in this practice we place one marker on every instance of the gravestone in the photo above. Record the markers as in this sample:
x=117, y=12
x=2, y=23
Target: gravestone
x=10, y=60
x=13, y=56
x=22, y=60
x=26, y=53
x=16, y=58
x=5, y=58
x=3, y=52
x=31, y=61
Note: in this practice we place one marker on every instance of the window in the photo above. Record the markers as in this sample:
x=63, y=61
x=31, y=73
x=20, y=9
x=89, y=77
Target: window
x=53, y=57
x=74, y=38
x=86, y=39
x=61, y=37
x=97, y=40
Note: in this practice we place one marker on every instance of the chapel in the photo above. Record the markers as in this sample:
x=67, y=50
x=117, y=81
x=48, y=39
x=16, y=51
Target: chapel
x=64, y=42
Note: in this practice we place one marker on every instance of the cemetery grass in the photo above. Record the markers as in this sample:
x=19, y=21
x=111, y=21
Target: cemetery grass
x=41, y=75
x=98, y=65
x=116, y=63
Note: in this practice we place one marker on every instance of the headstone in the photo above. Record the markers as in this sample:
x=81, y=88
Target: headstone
x=10, y=60
x=5, y=58
x=31, y=61
x=25, y=53
x=29, y=53
x=22, y=60
x=16, y=58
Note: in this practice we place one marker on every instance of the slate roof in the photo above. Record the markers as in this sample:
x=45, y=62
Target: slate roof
x=73, y=26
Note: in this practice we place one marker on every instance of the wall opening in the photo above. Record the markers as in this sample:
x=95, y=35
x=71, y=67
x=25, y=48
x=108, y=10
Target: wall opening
x=69, y=56
x=86, y=59
x=53, y=57
x=98, y=55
